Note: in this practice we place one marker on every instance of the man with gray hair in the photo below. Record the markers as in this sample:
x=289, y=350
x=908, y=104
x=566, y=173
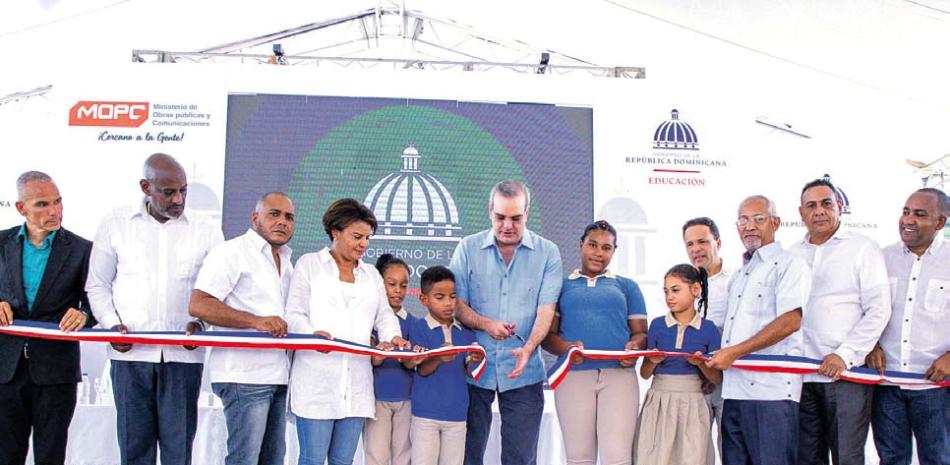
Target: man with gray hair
x=42, y=273
x=764, y=313
x=142, y=269
x=507, y=280
x=243, y=284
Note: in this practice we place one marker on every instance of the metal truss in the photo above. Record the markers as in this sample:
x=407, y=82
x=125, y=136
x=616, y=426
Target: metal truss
x=391, y=36
x=24, y=95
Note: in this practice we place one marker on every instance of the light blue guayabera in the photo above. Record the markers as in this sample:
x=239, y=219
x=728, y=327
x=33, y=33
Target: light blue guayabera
x=509, y=293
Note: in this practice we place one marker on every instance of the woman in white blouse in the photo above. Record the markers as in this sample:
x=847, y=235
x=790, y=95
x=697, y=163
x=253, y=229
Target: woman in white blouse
x=335, y=294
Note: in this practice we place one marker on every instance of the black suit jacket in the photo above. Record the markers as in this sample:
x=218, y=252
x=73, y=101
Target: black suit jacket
x=62, y=287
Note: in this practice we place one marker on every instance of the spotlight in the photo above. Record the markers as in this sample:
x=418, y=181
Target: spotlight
x=278, y=58
x=543, y=64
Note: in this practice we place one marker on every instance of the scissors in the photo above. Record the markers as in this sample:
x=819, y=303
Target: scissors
x=511, y=332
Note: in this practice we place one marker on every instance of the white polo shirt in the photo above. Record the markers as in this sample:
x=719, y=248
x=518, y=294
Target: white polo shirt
x=918, y=332
x=770, y=284
x=242, y=274
x=849, y=304
x=141, y=273
x=336, y=385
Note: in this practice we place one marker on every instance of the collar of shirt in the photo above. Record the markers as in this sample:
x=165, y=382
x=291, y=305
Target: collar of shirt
x=47, y=243
x=402, y=314
x=433, y=323
x=327, y=259
x=264, y=247
x=577, y=275
x=724, y=273
x=696, y=322
x=842, y=234
x=142, y=211
x=764, y=253
x=526, y=240
x=932, y=250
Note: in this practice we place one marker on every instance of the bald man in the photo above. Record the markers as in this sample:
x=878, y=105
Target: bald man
x=142, y=269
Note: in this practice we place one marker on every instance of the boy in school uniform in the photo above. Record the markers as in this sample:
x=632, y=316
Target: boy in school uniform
x=439, y=387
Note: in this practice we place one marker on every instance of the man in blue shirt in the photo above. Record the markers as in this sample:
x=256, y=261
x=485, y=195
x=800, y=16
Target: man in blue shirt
x=42, y=274
x=508, y=280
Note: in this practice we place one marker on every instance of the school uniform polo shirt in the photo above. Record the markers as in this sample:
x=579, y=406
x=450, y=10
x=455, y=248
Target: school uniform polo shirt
x=392, y=382
x=443, y=395
x=668, y=334
x=596, y=312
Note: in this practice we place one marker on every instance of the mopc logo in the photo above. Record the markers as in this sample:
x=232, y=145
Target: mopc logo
x=115, y=114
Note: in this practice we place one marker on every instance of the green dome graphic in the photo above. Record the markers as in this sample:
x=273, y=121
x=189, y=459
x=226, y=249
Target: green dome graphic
x=445, y=165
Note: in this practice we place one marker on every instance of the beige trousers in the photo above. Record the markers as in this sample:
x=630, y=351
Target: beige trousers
x=597, y=410
x=386, y=439
x=674, y=423
x=436, y=442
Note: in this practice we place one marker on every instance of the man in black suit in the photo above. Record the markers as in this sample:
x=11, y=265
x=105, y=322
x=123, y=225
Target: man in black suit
x=42, y=277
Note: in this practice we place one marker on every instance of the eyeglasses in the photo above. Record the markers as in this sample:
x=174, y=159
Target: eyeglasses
x=759, y=220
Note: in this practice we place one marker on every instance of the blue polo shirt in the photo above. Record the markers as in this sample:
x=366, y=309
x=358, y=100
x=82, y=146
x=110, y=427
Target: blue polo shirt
x=667, y=334
x=596, y=312
x=34, y=263
x=443, y=395
x=509, y=293
x=392, y=382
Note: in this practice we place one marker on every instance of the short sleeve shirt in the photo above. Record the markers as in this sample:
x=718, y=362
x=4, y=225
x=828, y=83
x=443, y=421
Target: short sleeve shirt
x=596, y=312
x=510, y=293
x=773, y=282
x=699, y=335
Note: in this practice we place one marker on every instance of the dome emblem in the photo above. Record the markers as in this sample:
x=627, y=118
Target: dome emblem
x=413, y=205
x=675, y=134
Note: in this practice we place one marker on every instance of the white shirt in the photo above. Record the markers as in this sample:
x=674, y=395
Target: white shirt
x=141, y=273
x=335, y=385
x=242, y=274
x=719, y=297
x=772, y=283
x=919, y=330
x=849, y=302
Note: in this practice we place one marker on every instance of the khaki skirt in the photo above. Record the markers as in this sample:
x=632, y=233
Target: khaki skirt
x=674, y=423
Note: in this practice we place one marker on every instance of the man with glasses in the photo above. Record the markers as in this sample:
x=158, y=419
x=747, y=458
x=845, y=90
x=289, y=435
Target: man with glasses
x=764, y=313
x=507, y=279
x=847, y=309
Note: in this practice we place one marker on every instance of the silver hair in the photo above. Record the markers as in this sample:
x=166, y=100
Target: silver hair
x=29, y=176
x=509, y=189
x=773, y=211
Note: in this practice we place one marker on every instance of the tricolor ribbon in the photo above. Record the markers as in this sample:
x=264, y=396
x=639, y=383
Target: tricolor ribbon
x=762, y=363
x=231, y=339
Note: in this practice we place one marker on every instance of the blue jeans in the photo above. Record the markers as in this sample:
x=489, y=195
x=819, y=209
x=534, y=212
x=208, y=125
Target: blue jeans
x=156, y=402
x=255, y=417
x=521, y=411
x=759, y=432
x=897, y=413
x=332, y=441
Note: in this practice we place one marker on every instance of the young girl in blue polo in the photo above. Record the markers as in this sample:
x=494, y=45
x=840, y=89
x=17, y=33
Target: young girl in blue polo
x=674, y=422
x=386, y=437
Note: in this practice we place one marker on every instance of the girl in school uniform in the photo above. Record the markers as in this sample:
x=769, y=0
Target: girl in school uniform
x=386, y=437
x=674, y=421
